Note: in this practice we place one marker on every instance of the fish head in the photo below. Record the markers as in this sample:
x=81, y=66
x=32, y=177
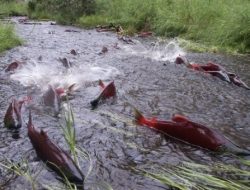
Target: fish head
x=180, y=60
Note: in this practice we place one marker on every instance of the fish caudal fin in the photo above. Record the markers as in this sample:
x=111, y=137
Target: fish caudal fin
x=101, y=84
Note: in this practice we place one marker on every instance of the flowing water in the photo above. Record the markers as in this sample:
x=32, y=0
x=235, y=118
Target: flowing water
x=145, y=76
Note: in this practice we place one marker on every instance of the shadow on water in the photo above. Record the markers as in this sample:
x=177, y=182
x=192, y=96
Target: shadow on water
x=145, y=76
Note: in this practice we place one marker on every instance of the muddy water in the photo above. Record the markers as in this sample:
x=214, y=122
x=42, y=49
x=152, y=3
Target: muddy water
x=145, y=76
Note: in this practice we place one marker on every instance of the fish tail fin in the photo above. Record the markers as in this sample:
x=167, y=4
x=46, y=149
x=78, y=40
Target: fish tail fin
x=139, y=118
x=101, y=84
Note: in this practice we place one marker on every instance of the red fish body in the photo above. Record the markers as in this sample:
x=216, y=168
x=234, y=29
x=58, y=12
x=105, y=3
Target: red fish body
x=107, y=92
x=194, y=133
x=56, y=158
x=185, y=130
x=210, y=66
x=13, y=116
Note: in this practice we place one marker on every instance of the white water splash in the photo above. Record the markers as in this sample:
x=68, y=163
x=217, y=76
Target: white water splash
x=41, y=74
x=159, y=51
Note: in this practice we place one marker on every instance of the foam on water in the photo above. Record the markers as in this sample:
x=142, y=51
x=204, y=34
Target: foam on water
x=42, y=74
x=161, y=50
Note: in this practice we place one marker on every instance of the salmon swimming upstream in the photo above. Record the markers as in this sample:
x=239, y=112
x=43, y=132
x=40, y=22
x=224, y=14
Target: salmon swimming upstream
x=190, y=132
x=13, y=115
x=54, y=157
x=107, y=92
x=213, y=69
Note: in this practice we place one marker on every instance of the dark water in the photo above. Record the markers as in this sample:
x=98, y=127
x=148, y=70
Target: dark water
x=145, y=76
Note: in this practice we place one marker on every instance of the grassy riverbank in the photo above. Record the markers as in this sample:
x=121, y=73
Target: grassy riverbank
x=223, y=24
x=205, y=25
x=8, y=39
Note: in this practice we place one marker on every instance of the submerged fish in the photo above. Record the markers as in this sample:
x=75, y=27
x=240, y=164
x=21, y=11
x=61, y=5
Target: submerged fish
x=13, y=115
x=54, y=157
x=13, y=66
x=107, y=92
x=193, y=133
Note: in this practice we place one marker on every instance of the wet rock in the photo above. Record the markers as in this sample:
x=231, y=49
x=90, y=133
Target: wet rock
x=22, y=20
x=104, y=50
x=71, y=30
x=65, y=62
x=40, y=58
x=73, y=52
x=32, y=23
x=126, y=39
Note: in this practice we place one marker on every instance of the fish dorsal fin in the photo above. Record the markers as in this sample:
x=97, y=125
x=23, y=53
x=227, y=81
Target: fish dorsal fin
x=179, y=118
x=71, y=87
x=101, y=84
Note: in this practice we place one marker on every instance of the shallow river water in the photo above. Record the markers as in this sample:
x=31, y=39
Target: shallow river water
x=145, y=76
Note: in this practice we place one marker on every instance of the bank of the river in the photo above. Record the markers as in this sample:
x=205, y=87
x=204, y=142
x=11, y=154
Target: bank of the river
x=218, y=25
x=205, y=26
x=8, y=39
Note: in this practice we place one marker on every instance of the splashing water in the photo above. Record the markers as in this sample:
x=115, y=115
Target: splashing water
x=161, y=50
x=42, y=74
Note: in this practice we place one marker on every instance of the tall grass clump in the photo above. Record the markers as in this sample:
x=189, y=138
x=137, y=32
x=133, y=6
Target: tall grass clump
x=64, y=11
x=12, y=8
x=225, y=23
x=8, y=39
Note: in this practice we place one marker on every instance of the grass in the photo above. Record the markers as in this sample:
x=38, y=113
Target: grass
x=222, y=25
x=21, y=169
x=201, y=177
x=8, y=38
x=12, y=8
